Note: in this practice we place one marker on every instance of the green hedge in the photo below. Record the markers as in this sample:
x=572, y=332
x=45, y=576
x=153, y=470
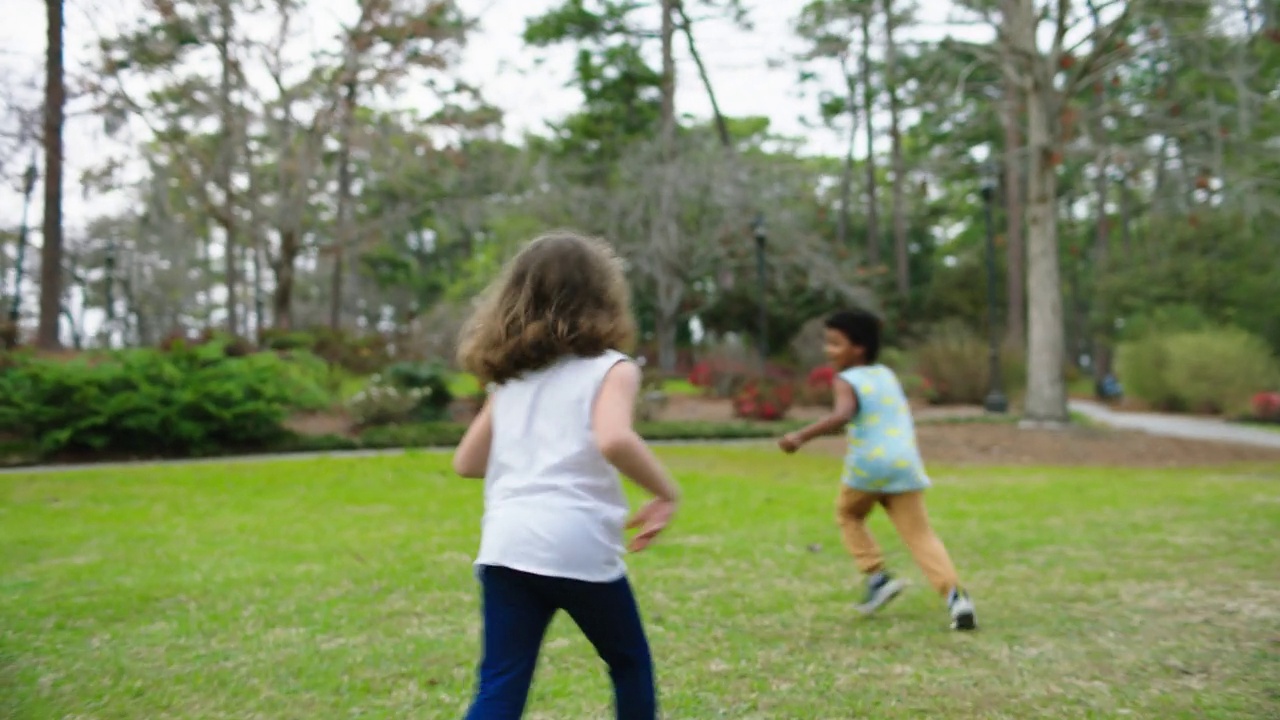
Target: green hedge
x=445, y=434
x=181, y=401
x=1207, y=370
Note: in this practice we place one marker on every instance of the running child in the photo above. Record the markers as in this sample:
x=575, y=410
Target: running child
x=883, y=466
x=549, y=443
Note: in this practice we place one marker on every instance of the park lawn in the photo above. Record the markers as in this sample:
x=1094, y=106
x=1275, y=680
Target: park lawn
x=341, y=588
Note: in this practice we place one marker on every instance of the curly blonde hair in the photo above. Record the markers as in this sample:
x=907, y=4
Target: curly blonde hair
x=563, y=294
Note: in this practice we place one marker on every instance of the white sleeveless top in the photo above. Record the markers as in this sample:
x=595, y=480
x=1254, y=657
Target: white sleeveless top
x=553, y=505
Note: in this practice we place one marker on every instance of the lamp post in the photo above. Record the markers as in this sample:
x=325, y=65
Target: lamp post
x=757, y=229
x=28, y=186
x=995, y=402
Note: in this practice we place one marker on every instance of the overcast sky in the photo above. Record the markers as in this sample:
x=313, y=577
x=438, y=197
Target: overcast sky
x=751, y=71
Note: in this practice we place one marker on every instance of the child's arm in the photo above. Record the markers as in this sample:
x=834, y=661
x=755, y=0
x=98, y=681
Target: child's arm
x=471, y=459
x=845, y=407
x=612, y=424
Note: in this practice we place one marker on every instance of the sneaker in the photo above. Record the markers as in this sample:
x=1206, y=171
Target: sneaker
x=962, y=613
x=881, y=588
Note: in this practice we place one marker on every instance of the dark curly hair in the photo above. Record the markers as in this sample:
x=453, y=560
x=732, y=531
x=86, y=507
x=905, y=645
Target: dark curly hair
x=860, y=328
x=563, y=294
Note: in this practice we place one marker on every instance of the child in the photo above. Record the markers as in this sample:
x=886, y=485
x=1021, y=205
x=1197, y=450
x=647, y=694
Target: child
x=548, y=333
x=883, y=466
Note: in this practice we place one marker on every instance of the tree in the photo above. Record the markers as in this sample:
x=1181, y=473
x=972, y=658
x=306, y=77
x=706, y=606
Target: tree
x=902, y=261
x=1012, y=119
x=1037, y=74
x=51, y=252
x=866, y=12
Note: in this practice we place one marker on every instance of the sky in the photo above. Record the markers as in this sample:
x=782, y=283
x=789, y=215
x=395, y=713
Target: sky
x=753, y=73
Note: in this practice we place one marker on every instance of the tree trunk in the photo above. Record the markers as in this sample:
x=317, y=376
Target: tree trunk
x=285, y=267
x=667, y=351
x=1046, y=399
x=1125, y=238
x=47, y=336
x=259, y=303
x=722, y=125
x=344, y=203
x=667, y=126
x=846, y=175
x=226, y=159
x=1102, y=248
x=1015, y=217
x=868, y=109
x=665, y=225
x=902, y=260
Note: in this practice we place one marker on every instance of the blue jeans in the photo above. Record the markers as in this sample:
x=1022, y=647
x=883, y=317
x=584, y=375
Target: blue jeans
x=518, y=607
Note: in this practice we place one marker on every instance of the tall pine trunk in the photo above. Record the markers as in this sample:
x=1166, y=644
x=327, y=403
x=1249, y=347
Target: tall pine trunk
x=1046, y=399
x=868, y=109
x=846, y=174
x=902, y=260
x=665, y=223
x=1102, y=243
x=47, y=336
x=344, y=233
x=1015, y=216
x=226, y=160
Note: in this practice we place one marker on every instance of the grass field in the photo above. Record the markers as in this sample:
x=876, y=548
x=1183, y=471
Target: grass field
x=342, y=589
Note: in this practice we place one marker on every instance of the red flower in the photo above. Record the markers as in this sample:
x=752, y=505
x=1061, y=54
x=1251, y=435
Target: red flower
x=1266, y=406
x=821, y=377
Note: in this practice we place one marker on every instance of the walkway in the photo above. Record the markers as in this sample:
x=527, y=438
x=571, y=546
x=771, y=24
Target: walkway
x=1178, y=426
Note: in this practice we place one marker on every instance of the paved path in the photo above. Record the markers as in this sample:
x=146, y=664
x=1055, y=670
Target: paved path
x=1178, y=426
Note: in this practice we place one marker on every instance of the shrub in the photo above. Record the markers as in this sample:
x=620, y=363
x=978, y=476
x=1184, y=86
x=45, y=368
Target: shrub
x=357, y=354
x=763, y=400
x=444, y=434
x=382, y=404
x=431, y=378
x=818, y=387
x=1219, y=370
x=895, y=359
x=1266, y=406
x=1212, y=370
x=953, y=359
x=1142, y=366
x=275, y=339
x=405, y=392
x=723, y=368
x=186, y=400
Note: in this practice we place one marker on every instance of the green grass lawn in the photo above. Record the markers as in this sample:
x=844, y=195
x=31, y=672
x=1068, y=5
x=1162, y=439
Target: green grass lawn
x=342, y=588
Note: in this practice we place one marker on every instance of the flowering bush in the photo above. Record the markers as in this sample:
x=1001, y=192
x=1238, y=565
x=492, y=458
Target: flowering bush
x=384, y=404
x=719, y=376
x=819, y=386
x=1266, y=406
x=933, y=393
x=417, y=392
x=763, y=400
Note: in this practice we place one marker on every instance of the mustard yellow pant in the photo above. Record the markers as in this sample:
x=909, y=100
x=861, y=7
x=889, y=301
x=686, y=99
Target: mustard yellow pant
x=906, y=512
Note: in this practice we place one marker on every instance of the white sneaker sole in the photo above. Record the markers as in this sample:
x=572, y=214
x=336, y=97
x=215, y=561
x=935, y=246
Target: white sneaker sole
x=883, y=596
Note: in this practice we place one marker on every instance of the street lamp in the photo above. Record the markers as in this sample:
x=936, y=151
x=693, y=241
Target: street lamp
x=757, y=229
x=995, y=402
x=28, y=185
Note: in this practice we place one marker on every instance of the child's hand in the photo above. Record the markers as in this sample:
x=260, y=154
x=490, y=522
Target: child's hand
x=651, y=519
x=789, y=443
